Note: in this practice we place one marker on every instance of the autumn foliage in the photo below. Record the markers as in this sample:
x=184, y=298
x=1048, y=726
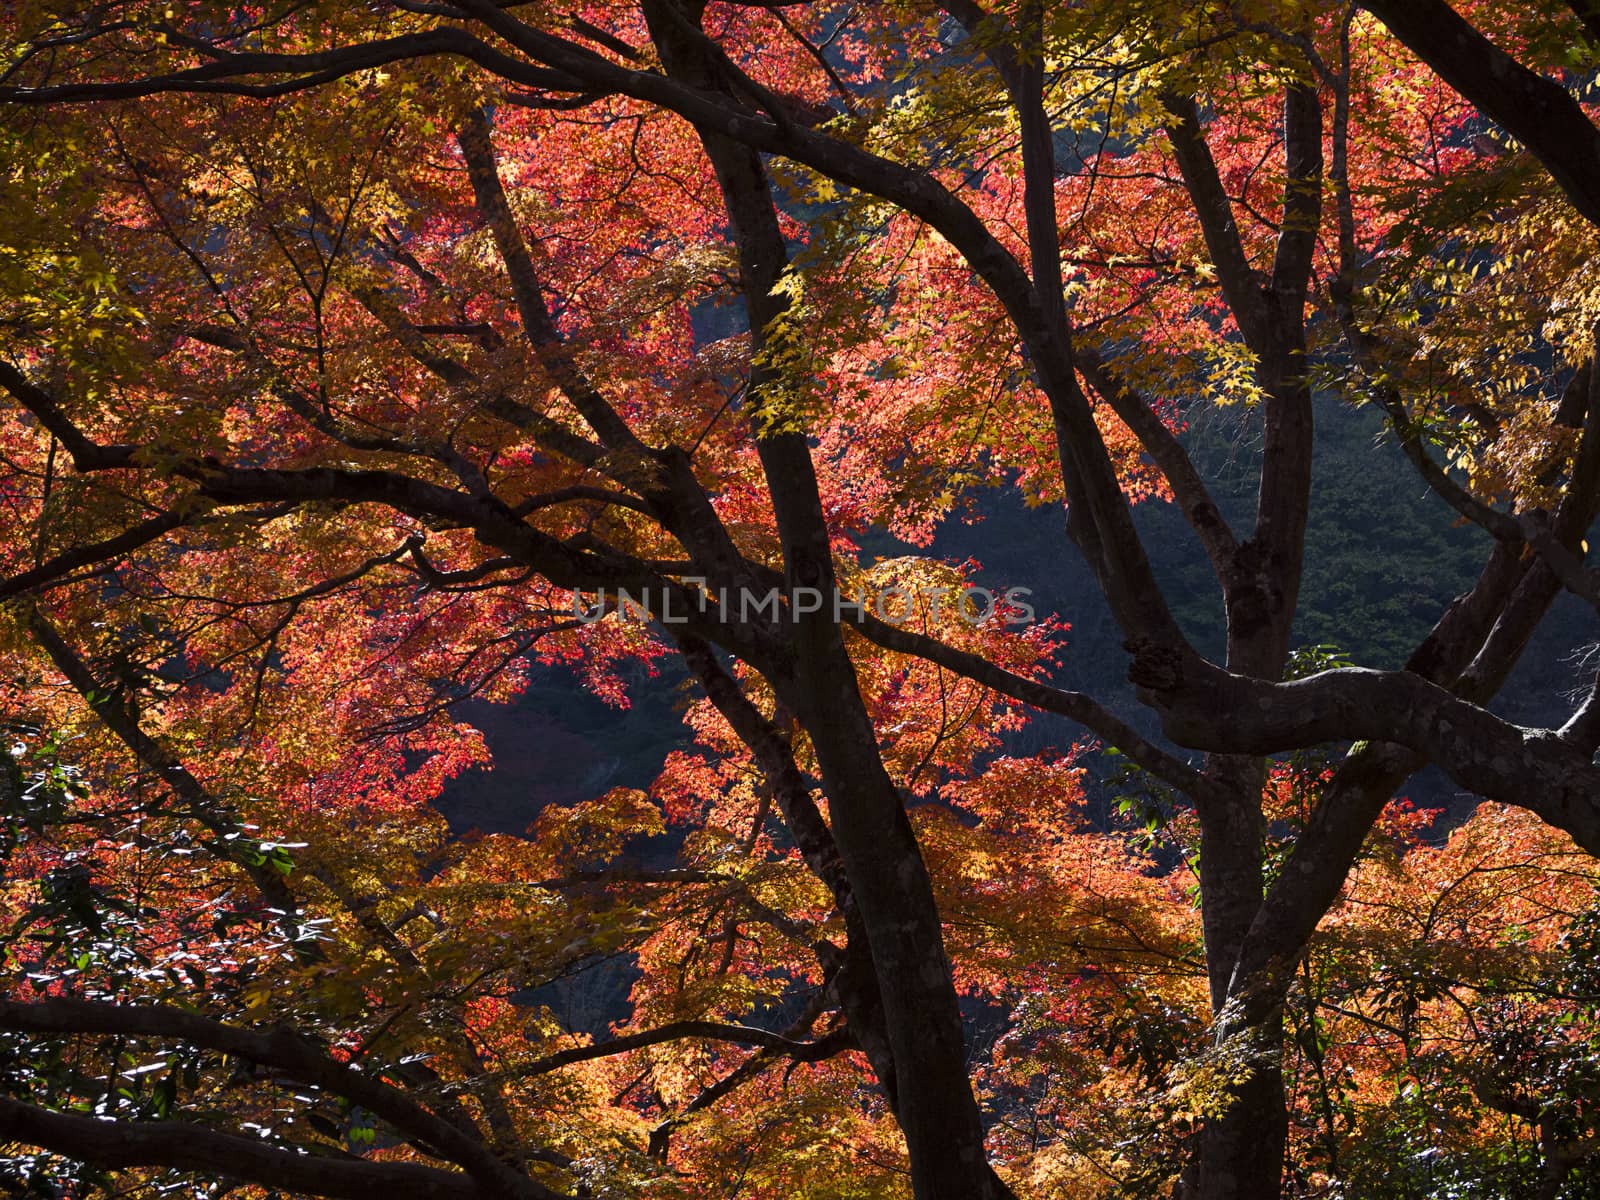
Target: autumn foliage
x=354, y=359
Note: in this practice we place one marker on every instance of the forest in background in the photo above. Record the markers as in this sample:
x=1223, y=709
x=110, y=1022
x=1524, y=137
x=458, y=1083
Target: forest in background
x=1384, y=554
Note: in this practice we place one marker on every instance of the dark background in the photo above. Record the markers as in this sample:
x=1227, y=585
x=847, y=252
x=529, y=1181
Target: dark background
x=1384, y=557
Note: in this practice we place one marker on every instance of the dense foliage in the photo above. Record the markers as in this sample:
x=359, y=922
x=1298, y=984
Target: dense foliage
x=361, y=361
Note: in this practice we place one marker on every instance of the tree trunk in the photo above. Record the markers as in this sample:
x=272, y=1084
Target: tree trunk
x=1242, y=1149
x=935, y=1105
x=934, y=1102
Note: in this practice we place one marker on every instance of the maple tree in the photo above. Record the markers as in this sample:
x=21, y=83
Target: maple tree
x=357, y=359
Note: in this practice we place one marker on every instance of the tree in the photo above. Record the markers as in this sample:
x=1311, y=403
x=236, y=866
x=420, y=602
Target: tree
x=351, y=355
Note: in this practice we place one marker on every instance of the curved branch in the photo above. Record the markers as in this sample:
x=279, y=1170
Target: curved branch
x=564, y=564
x=110, y=549
x=1538, y=112
x=739, y=1035
x=1163, y=446
x=183, y=1146
x=1207, y=708
x=478, y=150
x=225, y=74
x=1077, y=706
x=1241, y=286
x=284, y=1051
x=120, y=715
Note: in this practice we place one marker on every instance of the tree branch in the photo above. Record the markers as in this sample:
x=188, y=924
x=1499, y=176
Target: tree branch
x=117, y=710
x=1211, y=709
x=1083, y=709
x=1162, y=445
x=1538, y=112
x=226, y=73
x=183, y=1146
x=284, y=1051
x=111, y=549
x=740, y=1035
x=1241, y=286
x=540, y=328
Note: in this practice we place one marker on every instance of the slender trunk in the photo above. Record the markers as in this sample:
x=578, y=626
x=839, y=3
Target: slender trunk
x=1242, y=1148
x=934, y=1101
